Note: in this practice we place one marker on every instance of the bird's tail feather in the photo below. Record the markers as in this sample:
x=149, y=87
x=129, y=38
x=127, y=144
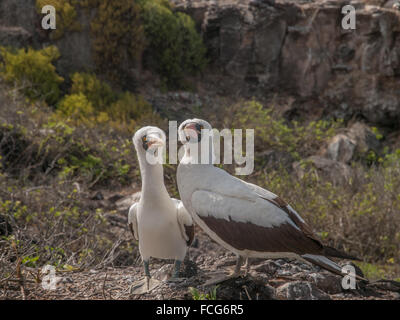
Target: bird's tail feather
x=327, y=264
x=332, y=252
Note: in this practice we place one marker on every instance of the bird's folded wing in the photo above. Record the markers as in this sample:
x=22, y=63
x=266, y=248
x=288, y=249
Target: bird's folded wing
x=254, y=223
x=185, y=222
x=132, y=221
x=251, y=192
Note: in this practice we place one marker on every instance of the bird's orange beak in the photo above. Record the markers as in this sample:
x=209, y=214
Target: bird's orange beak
x=192, y=131
x=155, y=141
x=192, y=126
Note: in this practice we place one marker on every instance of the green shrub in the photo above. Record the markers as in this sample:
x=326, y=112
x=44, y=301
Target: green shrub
x=175, y=47
x=131, y=111
x=93, y=101
x=273, y=132
x=129, y=107
x=197, y=295
x=77, y=107
x=33, y=71
x=99, y=93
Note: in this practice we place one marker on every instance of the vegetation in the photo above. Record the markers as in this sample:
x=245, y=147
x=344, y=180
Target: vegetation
x=98, y=93
x=273, y=132
x=59, y=146
x=175, y=47
x=197, y=295
x=93, y=101
x=118, y=36
x=32, y=72
x=124, y=32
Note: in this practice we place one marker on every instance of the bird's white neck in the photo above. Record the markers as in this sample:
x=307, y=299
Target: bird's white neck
x=199, y=153
x=152, y=180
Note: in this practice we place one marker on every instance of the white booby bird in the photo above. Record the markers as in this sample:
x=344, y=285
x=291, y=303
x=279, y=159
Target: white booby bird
x=242, y=217
x=161, y=224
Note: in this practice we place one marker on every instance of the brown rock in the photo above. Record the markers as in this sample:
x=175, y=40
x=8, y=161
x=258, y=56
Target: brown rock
x=363, y=136
x=341, y=148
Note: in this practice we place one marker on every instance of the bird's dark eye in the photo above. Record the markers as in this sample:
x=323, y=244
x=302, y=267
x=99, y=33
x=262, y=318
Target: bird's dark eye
x=144, y=143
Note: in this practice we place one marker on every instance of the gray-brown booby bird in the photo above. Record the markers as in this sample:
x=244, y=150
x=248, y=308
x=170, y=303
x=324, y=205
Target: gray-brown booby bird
x=242, y=217
x=161, y=224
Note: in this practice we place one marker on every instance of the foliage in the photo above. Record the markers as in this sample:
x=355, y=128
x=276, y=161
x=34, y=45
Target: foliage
x=273, y=132
x=118, y=36
x=197, y=295
x=59, y=232
x=38, y=143
x=66, y=16
x=95, y=102
x=33, y=71
x=373, y=271
x=133, y=111
x=98, y=93
x=175, y=46
x=76, y=107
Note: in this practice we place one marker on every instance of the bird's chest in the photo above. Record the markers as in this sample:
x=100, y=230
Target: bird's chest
x=157, y=223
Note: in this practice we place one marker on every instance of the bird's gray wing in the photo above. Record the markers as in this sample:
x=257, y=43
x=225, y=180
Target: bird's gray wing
x=251, y=224
x=185, y=222
x=132, y=220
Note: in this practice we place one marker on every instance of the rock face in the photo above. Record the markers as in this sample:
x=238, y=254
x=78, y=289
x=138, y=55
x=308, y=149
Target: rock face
x=301, y=49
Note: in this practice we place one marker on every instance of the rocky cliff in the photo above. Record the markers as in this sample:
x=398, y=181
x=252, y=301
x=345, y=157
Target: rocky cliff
x=299, y=48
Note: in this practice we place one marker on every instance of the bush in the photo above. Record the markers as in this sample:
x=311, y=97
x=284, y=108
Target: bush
x=76, y=107
x=33, y=71
x=175, y=46
x=99, y=93
x=273, y=132
x=93, y=101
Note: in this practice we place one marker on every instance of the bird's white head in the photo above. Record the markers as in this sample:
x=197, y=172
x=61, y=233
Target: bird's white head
x=149, y=139
x=190, y=130
x=197, y=138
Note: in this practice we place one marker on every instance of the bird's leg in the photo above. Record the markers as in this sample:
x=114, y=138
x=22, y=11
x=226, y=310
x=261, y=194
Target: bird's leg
x=145, y=285
x=177, y=268
x=239, y=263
x=175, y=275
x=247, y=266
x=147, y=273
x=234, y=274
